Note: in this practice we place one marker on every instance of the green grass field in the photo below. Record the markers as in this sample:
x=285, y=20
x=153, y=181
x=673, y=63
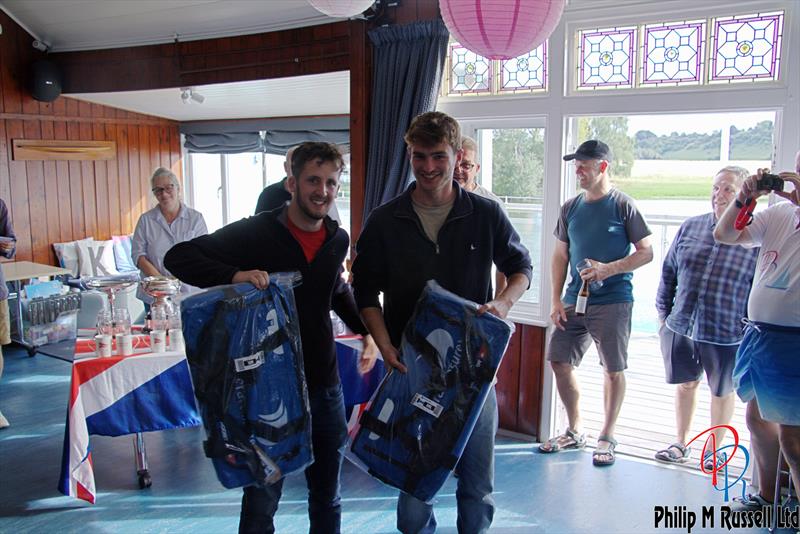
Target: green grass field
x=664, y=187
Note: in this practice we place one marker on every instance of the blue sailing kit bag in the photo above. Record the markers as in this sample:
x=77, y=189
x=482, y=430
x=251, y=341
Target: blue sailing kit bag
x=418, y=423
x=244, y=352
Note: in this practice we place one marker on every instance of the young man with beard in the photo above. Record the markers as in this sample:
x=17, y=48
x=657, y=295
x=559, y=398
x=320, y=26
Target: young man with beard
x=300, y=237
x=277, y=195
x=436, y=230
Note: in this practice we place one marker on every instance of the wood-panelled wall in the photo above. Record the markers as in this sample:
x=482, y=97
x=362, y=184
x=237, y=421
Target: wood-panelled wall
x=519, y=381
x=58, y=201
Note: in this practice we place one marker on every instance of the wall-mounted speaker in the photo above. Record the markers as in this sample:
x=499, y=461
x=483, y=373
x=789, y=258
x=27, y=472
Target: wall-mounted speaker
x=45, y=81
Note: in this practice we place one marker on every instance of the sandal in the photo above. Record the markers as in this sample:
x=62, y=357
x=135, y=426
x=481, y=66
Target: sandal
x=568, y=441
x=604, y=457
x=677, y=453
x=751, y=501
x=708, y=462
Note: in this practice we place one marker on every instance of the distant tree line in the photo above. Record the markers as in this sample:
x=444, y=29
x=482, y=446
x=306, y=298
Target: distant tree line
x=748, y=144
x=518, y=153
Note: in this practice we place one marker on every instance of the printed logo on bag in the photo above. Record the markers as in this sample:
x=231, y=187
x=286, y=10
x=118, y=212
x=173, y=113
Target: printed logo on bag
x=247, y=363
x=427, y=405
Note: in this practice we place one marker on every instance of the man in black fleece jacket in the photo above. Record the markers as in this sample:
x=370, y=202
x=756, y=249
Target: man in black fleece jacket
x=436, y=230
x=298, y=237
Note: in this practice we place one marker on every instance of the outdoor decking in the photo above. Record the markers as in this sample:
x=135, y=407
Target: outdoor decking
x=647, y=420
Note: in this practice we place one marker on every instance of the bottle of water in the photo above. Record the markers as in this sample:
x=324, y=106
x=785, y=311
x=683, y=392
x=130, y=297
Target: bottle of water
x=586, y=263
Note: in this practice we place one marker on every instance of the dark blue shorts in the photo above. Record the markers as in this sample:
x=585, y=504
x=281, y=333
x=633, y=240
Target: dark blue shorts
x=768, y=370
x=685, y=360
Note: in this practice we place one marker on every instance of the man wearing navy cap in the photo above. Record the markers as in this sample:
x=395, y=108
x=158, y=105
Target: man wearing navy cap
x=599, y=225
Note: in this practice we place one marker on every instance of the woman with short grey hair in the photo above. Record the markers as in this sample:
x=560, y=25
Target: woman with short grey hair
x=162, y=227
x=163, y=171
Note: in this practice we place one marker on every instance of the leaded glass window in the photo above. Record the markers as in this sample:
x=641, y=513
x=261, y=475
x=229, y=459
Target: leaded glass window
x=525, y=72
x=746, y=48
x=606, y=58
x=469, y=72
x=672, y=53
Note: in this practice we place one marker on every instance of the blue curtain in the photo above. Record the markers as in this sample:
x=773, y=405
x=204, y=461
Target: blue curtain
x=224, y=143
x=279, y=135
x=280, y=141
x=407, y=70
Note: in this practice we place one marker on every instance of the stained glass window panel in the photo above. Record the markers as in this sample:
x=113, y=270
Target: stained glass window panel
x=746, y=48
x=469, y=72
x=606, y=58
x=526, y=72
x=673, y=53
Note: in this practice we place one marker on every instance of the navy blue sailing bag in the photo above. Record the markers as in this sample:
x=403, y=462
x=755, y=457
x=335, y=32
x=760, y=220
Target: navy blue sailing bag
x=418, y=423
x=244, y=352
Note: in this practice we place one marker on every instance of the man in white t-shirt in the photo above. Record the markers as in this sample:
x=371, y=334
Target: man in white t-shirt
x=767, y=371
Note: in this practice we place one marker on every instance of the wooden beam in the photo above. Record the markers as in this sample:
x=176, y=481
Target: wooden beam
x=52, y=150
x=140, y=119
x=295, y=52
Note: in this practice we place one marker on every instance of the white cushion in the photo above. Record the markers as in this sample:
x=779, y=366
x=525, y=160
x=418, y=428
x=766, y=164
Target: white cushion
x=97, y=258
x=122, y=253
x=67, y=254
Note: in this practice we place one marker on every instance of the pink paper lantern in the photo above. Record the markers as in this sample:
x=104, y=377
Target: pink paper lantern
x=501, y=29
x=341, y=8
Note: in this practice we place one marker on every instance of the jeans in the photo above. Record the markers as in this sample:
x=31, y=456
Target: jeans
x=475, y=472
x=328, y=440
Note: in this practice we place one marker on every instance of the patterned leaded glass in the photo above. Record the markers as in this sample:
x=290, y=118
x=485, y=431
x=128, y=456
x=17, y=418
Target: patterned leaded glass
x=525, y=72
x=746, y=47
x=606, y=58
x=673, y=53
x=469, y=72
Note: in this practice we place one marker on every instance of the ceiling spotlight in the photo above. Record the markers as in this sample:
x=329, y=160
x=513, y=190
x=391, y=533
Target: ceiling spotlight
x=188, y=95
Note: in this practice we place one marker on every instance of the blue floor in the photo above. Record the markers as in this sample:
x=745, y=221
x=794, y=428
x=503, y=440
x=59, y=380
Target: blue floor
x=533, y=493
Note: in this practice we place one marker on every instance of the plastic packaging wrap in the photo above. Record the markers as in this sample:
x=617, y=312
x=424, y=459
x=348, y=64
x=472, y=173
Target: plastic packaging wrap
x=358, y=385
x=418, y=423
x=245, y=355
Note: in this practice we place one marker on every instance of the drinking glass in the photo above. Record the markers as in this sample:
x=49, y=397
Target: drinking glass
x=158, y=317
x=122, y=322
x=105, y=323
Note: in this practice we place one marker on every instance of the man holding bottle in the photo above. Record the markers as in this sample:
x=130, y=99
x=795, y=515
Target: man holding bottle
x=598, y=225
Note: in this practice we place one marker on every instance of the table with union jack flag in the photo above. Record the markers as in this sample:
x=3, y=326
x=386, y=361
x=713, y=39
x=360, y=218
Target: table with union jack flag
x=118, y=395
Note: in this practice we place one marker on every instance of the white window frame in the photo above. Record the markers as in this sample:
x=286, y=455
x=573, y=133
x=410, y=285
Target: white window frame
x=523, y=312
x=190, y=187
x=559, y=104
